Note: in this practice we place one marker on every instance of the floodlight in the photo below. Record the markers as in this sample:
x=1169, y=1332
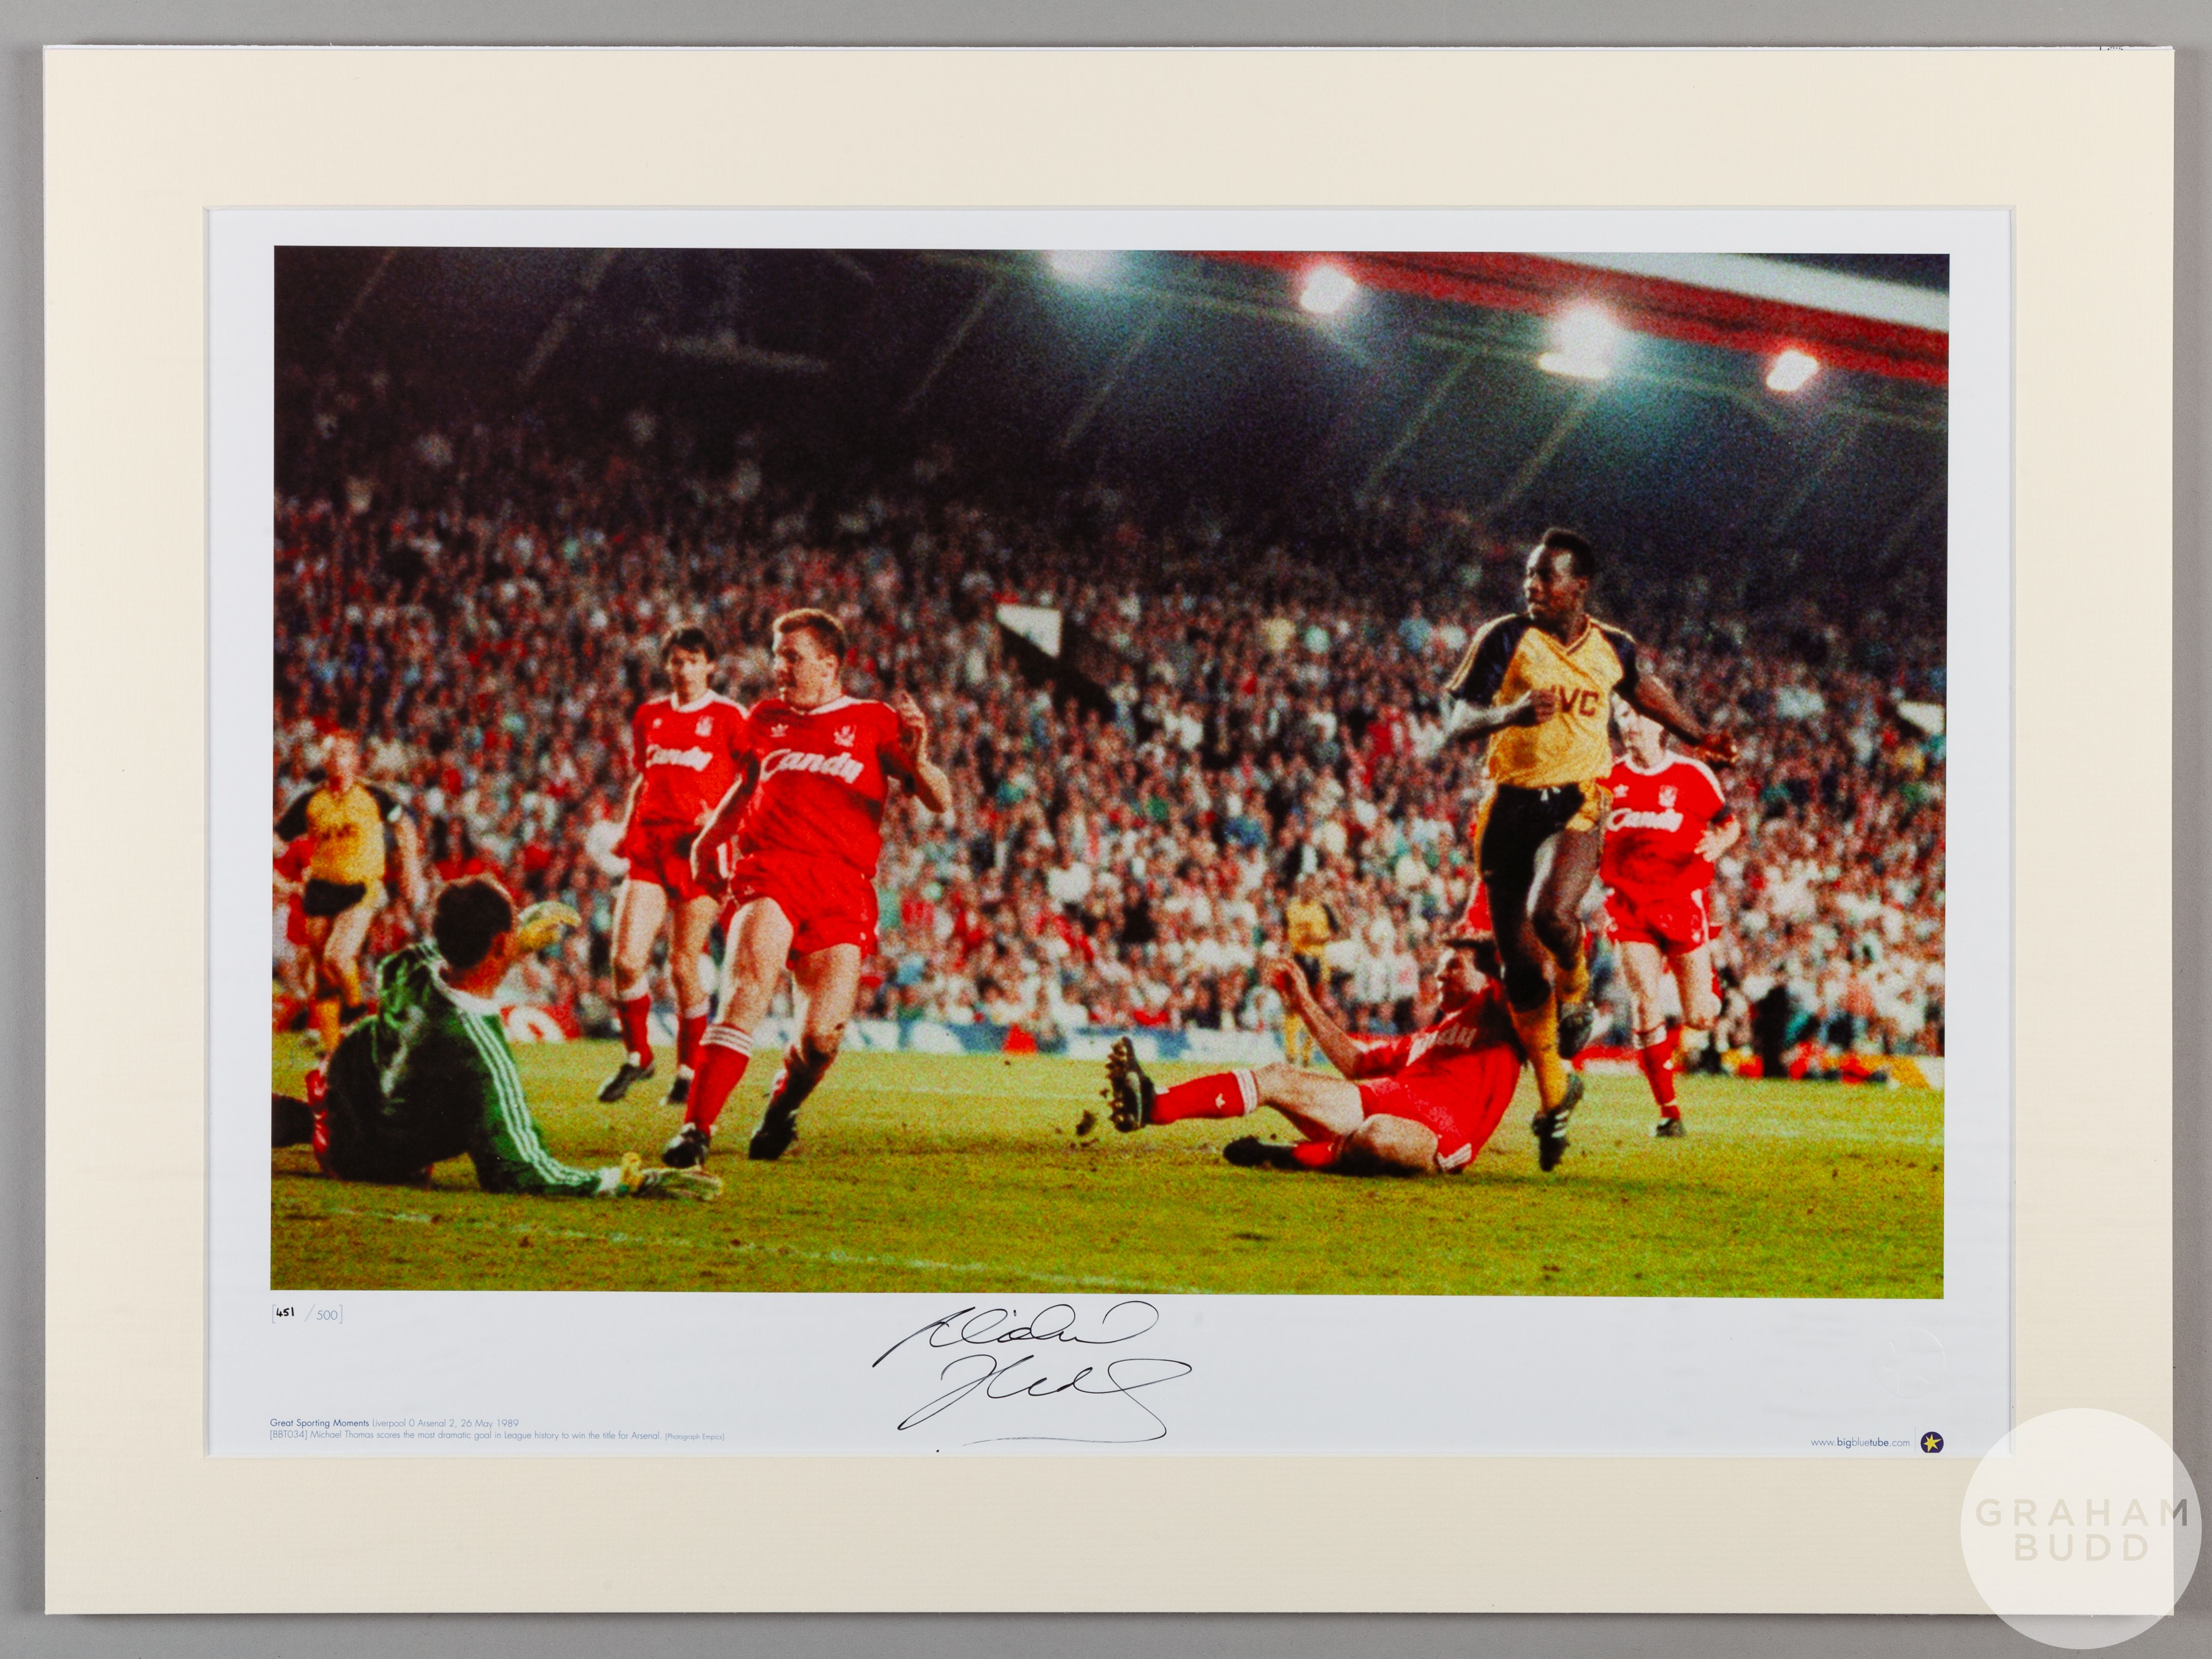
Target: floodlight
x=1080, y=264
x=1584, y=342
x=1791, y=370
x=1327, y=291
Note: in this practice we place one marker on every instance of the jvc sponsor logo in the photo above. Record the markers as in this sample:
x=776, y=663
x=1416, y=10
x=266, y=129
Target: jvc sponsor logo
x=1585, y=701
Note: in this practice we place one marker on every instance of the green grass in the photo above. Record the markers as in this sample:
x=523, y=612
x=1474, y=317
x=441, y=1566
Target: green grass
x=965, y=1175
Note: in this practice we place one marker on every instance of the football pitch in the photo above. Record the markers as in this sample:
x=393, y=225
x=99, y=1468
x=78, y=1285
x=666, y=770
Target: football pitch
x=967, y=1174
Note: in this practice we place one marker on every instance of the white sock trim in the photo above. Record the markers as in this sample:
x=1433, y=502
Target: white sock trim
x=699, y=1012
x=1248, y=1086
x=728, y=1036
x=636, y=991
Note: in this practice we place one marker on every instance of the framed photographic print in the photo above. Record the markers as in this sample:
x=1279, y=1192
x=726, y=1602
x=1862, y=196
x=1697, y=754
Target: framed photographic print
x=1004, y=826
x=1203, y=546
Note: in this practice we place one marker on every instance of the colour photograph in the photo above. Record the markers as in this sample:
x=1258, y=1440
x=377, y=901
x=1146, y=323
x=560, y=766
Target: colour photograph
x=1036, y=772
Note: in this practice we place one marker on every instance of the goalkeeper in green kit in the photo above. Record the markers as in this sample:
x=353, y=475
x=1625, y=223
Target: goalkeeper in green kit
x=430, y=1077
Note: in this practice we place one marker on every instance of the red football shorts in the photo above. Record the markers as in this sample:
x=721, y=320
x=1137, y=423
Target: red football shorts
x=1463, y=1109
x=661, y=854
x=1676, y=923
x=826, y=900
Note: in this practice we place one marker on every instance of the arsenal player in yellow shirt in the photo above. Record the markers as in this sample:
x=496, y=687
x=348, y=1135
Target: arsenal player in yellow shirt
x=1537, y=687
x=360, y=832
x=1308, y=926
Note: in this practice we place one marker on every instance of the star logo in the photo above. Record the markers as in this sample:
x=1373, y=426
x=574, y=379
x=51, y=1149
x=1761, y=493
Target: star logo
x=1931, y=1442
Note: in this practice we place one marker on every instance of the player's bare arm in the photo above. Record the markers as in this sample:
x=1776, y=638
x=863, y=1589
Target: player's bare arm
x=412, y=887
x=1649, y=696
x=1331, y=1038
x=1468, y=723
x=721, y=824
x=931, y=786
x=1718, y=838
x=630, y=808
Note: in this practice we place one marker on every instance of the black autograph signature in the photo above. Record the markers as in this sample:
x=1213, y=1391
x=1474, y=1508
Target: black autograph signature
x=1004, y=1357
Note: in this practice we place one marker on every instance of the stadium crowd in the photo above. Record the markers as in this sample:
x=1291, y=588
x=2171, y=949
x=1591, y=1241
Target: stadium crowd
x=483, y=595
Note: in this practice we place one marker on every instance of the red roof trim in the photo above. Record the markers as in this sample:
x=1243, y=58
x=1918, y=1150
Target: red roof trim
x=1534, y=285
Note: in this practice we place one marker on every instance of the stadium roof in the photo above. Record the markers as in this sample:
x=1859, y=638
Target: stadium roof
x=1644, y=397
x=1730, y=300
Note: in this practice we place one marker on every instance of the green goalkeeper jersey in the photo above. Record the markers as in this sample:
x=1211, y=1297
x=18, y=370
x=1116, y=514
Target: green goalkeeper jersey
x=429, y=1077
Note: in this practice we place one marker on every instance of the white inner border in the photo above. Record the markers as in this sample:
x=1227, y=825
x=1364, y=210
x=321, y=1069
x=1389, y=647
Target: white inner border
x=632, y=1374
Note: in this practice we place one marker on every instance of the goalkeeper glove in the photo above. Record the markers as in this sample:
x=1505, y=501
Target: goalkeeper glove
x=635, y=1180
x=541, y=924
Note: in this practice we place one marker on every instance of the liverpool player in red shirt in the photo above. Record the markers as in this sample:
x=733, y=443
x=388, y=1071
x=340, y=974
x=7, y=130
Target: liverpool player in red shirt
x=1424, y=1103
x=686, y=747
x=806, y=815
x=1668, y=825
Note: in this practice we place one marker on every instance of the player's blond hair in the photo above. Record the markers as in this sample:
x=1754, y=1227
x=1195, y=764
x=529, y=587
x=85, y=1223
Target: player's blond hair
x=825, y=628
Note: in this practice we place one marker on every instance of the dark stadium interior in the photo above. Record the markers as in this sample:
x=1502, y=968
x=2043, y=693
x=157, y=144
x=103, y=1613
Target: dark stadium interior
x=1232, y=394
x=502, y=473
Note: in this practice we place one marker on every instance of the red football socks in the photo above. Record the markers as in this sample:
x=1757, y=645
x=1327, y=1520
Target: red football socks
x=636, y=1016
x=723, y=1054
x=1658, y=1063
x=689, y=1028
x=1218, y=1094
x=1319, y=1154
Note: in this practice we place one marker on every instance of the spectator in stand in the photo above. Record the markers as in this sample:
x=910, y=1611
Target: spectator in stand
x=487, y=607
